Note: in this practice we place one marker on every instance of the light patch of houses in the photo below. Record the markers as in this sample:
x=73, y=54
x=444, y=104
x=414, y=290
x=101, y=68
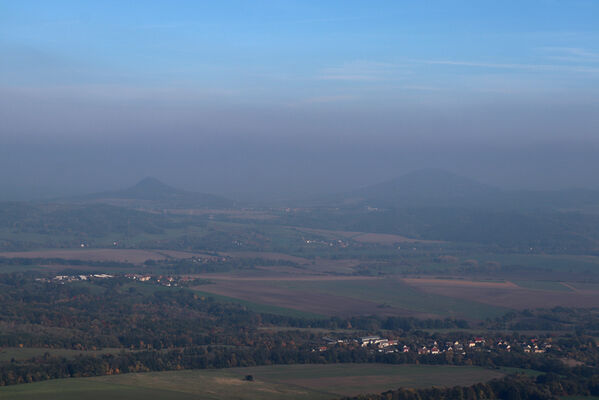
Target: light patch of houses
x=370, y=340
x=168, y=281
x=72, y=278
x=338, y=242
x=103, y=276
x=385, y=345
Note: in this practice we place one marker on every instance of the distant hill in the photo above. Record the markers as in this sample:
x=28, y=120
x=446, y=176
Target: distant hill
x=439, y=188
x=424, y=188
x=151, y=192
x=439, y=205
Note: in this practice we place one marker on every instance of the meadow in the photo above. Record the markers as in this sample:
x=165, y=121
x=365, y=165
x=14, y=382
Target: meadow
x=269, y=382
x=331, y=295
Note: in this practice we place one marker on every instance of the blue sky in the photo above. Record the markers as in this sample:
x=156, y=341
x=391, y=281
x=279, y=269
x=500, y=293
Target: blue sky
x=371, y=89
x=304, y=51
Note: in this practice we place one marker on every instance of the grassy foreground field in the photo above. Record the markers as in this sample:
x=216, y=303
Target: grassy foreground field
x=270, y=382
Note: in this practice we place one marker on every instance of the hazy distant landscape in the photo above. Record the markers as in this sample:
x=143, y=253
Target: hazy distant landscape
x=299, y=200
x=428, y=250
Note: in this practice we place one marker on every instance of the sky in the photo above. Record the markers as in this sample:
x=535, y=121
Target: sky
x=291, y=97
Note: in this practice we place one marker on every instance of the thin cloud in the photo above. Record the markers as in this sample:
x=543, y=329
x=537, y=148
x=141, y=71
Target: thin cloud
x=329, y=99
x=422, y=88
x=522, y=67
x=360, y=71
x=324, y=20
x=571, y=54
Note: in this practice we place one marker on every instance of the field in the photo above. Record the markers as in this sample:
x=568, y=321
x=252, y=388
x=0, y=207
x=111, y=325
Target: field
x=270, y=382
x=545, y=285
x=321, y=284
x=263, y=307
x=422, y=297
x=330, y=295
x=538, y=294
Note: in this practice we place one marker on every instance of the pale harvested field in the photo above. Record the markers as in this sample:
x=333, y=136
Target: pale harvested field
x=506, y=294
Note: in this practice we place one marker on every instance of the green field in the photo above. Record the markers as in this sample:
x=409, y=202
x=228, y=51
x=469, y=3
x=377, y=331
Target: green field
x=397, y=294
x=261, y=308
x=270, y=382
x=564, y=263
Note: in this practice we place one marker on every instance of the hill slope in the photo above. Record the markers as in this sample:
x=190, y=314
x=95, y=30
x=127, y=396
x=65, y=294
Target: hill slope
x=438, y=188
x=425, y=188
x=152, y=193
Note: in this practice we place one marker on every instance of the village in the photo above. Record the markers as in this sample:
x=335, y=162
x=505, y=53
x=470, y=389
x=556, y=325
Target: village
x=334, y=243
x=387, y=346
x=161, y=280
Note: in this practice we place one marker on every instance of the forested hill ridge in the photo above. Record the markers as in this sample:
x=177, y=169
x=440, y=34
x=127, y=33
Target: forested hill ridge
x=440, y=188
x=153, y=193
x=428, y=187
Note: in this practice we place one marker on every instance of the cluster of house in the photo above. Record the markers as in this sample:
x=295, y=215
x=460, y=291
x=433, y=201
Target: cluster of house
x=373, y=342
x=205, y=259
x=72, y=278
x=161, y=280
x=385, y=345
x=532, y=346
x=167, y=281
x=334, y=243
